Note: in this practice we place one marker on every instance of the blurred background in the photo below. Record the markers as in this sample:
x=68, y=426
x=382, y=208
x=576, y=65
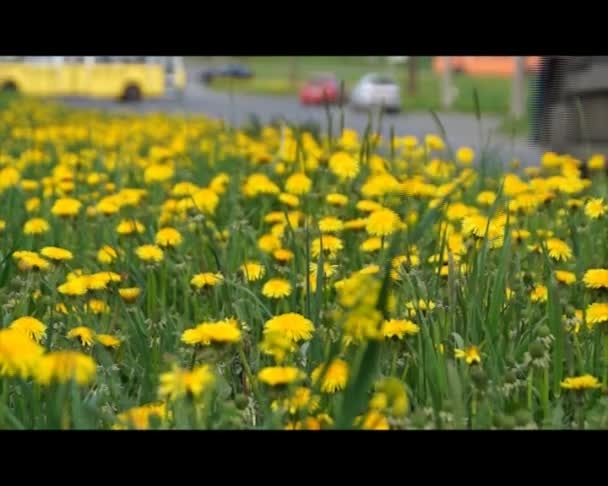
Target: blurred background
x=423, y=81
x=522, y=103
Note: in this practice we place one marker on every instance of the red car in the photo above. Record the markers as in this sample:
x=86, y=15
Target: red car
x=320, y=90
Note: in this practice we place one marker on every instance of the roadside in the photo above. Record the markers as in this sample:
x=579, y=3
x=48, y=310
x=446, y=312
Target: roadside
x=277, y=76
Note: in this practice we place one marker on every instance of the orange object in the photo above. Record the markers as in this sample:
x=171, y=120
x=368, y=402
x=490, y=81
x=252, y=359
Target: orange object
x=502, y=66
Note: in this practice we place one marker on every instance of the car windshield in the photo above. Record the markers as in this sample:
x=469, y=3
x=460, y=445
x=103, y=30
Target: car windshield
x=382, y=80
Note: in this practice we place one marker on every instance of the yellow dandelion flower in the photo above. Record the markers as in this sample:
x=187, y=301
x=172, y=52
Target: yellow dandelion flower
x=355, y=224
x=465, y=155
x=74, y=286
x=35, y=226
x=158, y=173
x=596, y=278
x=208, y=333
x=331, y=245
x=298, y=184
x=18, y=353
x=596, y=162
x=369, y=206
x=107, y=255
x=344, y=165
x=470, y=355
x=399, y=328
x=149, y=253
x=206, y=201
x=539, y=294
x=283, y=255
x=336, y=199
x=559, y=250
x=97, y=306
x=564, y=277
x=178, y=382
x=597, y=313
x=129, y=294
x=108, y=340
x=289, y=200
x=373, y=420
x=294, y=326
x=63, y=366
x=434, y=142
x=383, y=222
x=85, y=335
x=253, y=271
x=330, y=224
x=129, y=227
x=595, y=208
x=302, y=399
x=30, y=261
x=56, y=253
x=138, y=418
x=277, y=345
x=168, y=237
x=280, y=376
x=32, y=204
x=334, y=378
x=268, y=243
x=276, y=288
x=584, y=382
x=31, y=326
x=66, y=207
x=206, y=279
x=373, y=244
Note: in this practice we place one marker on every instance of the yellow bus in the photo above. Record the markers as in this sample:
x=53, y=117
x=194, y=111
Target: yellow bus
x=128, y=78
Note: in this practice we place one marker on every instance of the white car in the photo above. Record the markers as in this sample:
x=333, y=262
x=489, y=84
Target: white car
x=375, y=91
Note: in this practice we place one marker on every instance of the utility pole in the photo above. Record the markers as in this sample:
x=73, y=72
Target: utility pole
x=293, y=70
x=446, y=84
x=518, y=88
x=412, y=71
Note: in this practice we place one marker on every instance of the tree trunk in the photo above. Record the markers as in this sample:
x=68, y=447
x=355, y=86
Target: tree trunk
x=293, y=70
x=518, y=89
x=412, y=72
x=446, y=84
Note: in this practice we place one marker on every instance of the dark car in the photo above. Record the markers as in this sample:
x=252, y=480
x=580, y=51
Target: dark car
x=229, y=71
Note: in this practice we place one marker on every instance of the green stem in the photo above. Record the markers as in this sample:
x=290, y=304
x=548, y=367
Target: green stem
x=248, y=372
x=473, y=409
x=530, y=383
x=605, y=376
x=580, y=413
x=404, y=374
x=4, y=401
x=545, y=392
x=193, y=358
x=395, y=350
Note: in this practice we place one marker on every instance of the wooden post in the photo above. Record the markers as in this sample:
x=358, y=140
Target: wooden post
x=293, y=70
x=412, y=70
x=518, y=89
x=446, y=84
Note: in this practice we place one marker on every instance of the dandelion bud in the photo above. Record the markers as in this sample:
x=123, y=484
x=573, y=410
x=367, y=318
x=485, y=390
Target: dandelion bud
x=479, y=376
x=508, y=422
x=419, y=419
x=241, y=401
x=570, y=310
x=511, y=377
x=536, y=350
x=523, y=417
x=544, y=331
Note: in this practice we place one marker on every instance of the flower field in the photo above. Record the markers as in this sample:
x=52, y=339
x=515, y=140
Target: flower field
x=171, y=272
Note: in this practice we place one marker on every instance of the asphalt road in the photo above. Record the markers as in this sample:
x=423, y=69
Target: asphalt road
x=461, y=129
